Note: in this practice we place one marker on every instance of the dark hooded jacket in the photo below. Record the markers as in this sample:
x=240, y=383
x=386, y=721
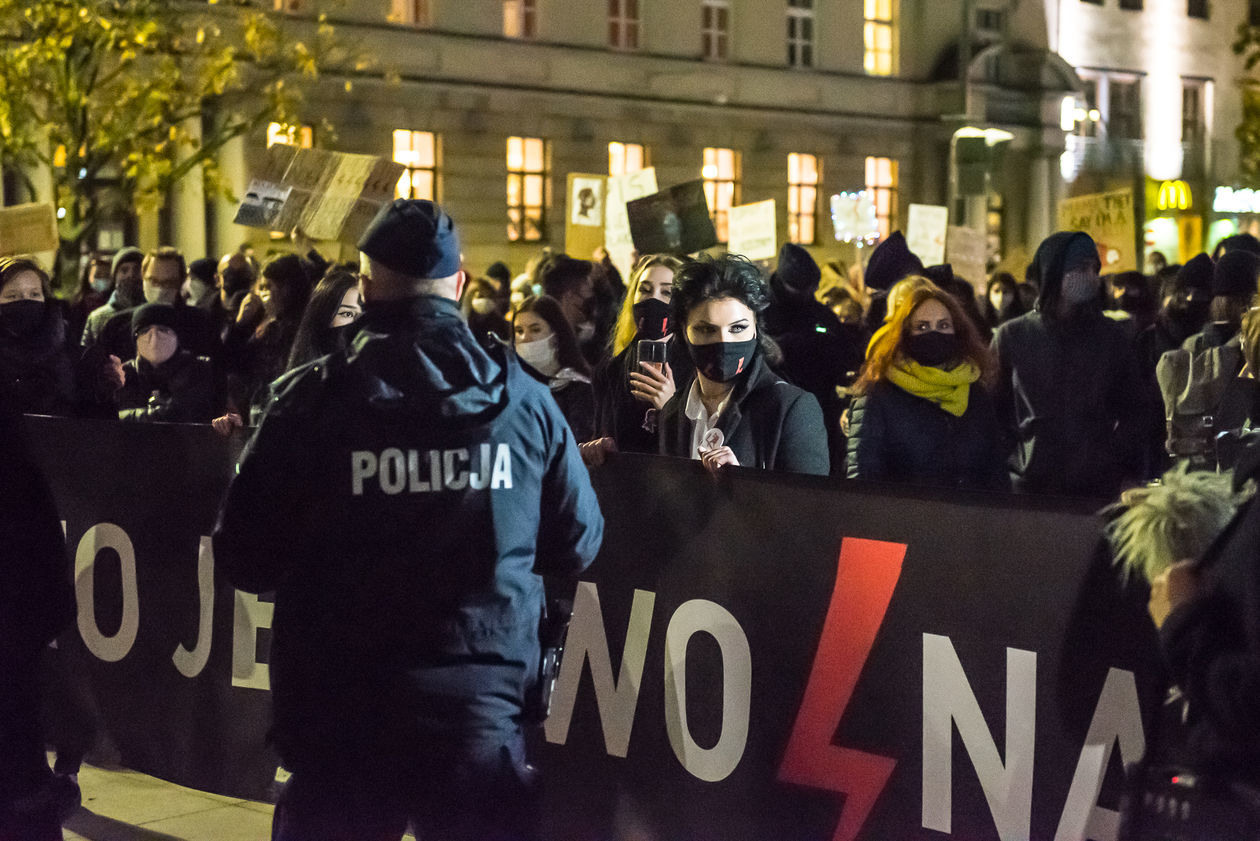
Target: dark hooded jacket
x=891, y=261
x=401, y=497
x=180, y=390
x=37, y=375
x=1069, y=394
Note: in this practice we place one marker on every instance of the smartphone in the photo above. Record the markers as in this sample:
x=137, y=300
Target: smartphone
x=650, y=351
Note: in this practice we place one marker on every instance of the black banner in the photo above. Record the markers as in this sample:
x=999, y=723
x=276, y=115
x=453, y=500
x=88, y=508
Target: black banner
x=752, y=656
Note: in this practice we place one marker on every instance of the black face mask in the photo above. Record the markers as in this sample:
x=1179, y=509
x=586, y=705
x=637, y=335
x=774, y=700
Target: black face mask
x=932, y=349
x=651, y=316
x=723, y=361
x=21, y=318
x=1188, y=317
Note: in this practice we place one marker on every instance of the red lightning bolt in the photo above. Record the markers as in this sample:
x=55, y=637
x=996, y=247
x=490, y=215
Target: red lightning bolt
x=866, y=576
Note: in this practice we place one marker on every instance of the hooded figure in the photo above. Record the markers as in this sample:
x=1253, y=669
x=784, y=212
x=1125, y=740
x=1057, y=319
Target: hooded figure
x=164, y=382
x=1234, y=286
x=890, y=262
x=1069, y=390
x=819, y=351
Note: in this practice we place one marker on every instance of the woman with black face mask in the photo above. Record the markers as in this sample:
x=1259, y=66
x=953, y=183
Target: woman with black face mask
x=924, y=413
x=630, y=388
x=737, y=412
x=36, y=372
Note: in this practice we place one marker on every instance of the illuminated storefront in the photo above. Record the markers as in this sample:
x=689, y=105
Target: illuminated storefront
x=1174, y=220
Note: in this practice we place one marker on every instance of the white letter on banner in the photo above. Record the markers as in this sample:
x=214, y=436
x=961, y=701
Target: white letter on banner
x=718, y=762
x=251, y=613
x=106, y=536
x=948, y=700
x=1118, y=717
x=190, y=663
x=587, y=641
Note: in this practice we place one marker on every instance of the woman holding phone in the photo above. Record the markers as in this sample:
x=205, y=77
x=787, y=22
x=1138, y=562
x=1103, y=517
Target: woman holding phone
x=649, y=364
x=737, y=411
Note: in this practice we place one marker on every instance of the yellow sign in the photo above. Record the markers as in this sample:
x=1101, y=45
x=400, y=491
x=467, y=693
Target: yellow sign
x=1108, y=218
x=1174, y=195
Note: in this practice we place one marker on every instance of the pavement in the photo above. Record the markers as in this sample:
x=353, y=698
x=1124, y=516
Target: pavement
x=122, y=805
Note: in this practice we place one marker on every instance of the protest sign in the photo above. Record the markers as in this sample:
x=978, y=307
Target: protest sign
x=1109, y=219
x=967, y=251
x=584, y=223
x=672, y=221
x=776, y=656
x=925, y=232
x=753, y=230
x=28, y=229
x=620, y=190
x=854, y=218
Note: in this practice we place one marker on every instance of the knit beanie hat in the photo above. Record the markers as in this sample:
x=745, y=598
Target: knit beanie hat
x=1235, y=275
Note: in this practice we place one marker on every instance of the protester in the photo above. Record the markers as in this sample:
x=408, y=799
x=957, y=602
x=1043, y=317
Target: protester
x=234, y=278
x=964, y=293
x=1069, y=392
x=569, y=282
x=819, y=353
x=36, y=604
x=1185, y=297
x=1131, y=301
x=1211, y=642
x=329, y=318
x=124, y=270
x=845, y=305
x=629, y=391
x=37, y=372
x=1234, y=287
x=403, y=651
x=546, y=345
x=262, y=338
x=199, y=289
x=891, y=261
x=737, y=410
x=485, y=309
x=924, y=413
x=95, y=286
x=164, y=382
x=1001, y=300
x=162, y=275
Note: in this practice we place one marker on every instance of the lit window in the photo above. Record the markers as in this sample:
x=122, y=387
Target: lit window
x=410, y=12
x=721, y=186
x=303, y=136
x=520, y=18
x=418, y=152
x=881, y=182
x=800, y=33
x=803, y=178
x=287, y=5
x=879, y=32
x=715, y=26
x=623, y=24
x=526, y=188
x=625, y=158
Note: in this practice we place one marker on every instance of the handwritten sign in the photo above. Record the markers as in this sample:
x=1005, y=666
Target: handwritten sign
x=28, y=229
x=1109, y=219
x=752, y=230
x=925, y=232
x=621, y=190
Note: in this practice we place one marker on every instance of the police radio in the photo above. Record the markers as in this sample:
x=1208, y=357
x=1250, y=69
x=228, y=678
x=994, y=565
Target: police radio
x=552, y=628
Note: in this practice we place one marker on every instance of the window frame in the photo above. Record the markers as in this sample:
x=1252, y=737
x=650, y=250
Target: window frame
x=520, y=19
x=890, y=192
x=417, y=13
x=518, y=231
x=715, y=30
x=801, y=21
x=626, y=150
x=410, y=170
x=872, y=25
x=624, y=25
x=798, y=186
x=721, y=200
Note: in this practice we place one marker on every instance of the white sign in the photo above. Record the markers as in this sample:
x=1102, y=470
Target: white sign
x=853, y=217
x=753, y=232
x=1229, y=200
x=967, y=251
x=621, y=189
x=586, y=202
x=925, y=232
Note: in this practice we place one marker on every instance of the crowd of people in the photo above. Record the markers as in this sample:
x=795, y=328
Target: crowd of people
x=1066, y=382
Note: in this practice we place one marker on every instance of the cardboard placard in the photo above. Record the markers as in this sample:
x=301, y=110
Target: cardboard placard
x=28, y=229
x=1109, y=219
x=330, y=195
x=925, y=232
x=673, y=221
x=584, y=223
x=620, y=190
x=967, y=251
x=854, y=218
x=754, y=231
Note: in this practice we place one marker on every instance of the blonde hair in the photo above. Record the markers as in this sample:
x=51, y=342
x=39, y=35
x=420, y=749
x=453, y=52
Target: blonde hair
x=1250, y=334
x=1172, y=521
x=625, y=330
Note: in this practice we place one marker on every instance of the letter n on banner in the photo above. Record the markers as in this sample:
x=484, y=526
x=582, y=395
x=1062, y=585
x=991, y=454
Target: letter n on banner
x=867, y=575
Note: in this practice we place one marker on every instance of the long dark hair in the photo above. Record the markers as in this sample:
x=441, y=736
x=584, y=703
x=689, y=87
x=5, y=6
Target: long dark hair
x=728, y=276
x=314, y=337
x=567, y=350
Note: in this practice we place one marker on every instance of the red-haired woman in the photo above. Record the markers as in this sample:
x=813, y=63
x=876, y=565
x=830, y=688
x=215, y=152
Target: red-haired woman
x=924, y=413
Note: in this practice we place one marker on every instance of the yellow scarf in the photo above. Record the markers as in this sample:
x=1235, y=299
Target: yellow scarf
x=947, y=389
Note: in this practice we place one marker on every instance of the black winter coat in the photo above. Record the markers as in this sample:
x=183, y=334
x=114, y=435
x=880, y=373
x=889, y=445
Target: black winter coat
x=618, y=415
x=37, y=373
x=180, y=390
x=769, y=424
x=897, y=437
x=402, y=498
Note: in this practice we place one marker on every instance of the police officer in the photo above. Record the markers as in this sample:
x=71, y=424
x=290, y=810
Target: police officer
x=401, y=498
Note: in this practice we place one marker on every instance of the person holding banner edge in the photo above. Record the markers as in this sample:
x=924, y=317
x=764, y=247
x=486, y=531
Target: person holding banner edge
x=402, y=652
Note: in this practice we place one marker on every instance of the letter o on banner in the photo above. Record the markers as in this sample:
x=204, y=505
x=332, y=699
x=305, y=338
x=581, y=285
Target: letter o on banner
x=106, y=536
x=715, y=763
